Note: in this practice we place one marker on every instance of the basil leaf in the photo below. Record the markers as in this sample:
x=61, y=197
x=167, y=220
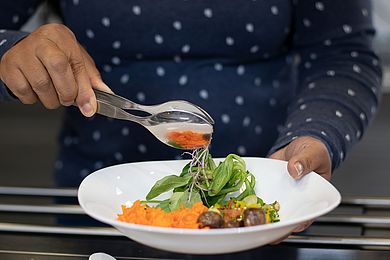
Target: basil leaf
x=164, y=205
x=222, y=175
x=166, y=184
x=181, y=199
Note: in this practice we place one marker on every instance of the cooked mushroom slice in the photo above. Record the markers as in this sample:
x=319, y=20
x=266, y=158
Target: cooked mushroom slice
x=210, y=219
x=253, y=217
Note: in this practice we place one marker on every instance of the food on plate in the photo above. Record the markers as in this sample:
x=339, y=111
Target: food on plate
x=204, y=195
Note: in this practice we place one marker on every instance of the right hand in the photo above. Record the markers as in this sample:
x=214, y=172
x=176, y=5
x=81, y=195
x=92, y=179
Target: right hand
x=51, y=66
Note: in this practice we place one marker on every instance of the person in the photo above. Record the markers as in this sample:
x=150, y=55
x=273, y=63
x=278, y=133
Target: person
x=292, y=80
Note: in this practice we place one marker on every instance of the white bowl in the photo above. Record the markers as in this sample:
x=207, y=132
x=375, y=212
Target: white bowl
x=102, y=193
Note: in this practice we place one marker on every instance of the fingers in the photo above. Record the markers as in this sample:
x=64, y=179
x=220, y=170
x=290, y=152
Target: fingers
x=40, y=83
x=303, y=226
x=58, y=67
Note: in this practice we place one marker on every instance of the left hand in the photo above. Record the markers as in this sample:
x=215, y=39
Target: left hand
x=305, y=154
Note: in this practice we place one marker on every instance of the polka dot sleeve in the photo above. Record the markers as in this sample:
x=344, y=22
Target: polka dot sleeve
x=339, y=75
x=13, y=14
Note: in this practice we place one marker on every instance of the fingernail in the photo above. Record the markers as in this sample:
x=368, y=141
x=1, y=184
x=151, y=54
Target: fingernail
x=87, y=109
x=299, y=167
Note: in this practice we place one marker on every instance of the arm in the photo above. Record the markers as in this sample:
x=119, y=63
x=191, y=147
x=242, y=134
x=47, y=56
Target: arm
x=339, y=84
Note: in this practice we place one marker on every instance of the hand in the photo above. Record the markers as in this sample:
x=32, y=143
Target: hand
x=305, y=154
x=50, y=65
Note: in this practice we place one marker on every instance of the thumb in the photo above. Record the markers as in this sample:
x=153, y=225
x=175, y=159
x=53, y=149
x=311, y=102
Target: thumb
x=310, y=156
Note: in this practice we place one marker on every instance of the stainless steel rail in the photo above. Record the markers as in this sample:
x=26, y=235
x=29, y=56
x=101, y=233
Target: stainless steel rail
x=99, y=231
x=44, y=192
x=50, y=209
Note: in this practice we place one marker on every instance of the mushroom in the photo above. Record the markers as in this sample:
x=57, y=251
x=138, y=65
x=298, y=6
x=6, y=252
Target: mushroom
x=210, y=219
x=253, y=217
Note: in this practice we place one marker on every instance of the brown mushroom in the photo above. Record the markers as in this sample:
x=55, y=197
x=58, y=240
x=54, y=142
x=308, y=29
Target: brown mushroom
x=253, y=217
x=210, y=219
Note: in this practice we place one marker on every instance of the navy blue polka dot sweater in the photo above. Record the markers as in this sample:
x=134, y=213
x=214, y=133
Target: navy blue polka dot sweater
x=267, y=71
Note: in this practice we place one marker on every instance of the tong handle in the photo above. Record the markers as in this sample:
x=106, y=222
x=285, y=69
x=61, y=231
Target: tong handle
x=115, y=100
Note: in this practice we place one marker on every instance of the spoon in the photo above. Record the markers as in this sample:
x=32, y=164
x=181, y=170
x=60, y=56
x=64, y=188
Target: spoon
x=179, y=124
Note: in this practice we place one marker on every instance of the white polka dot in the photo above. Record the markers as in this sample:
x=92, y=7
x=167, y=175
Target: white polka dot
x=288, y=133
x=254, y=49
x=3, y=41
x=15, y=18
x=160, y=71
x=313, y=56
x=338, y=113
x=106, y=21
x=289, y=125
x=257, y=81
x=347, y=137
x=177, y=25
x=118, y=156
x=98, y=165
x=90, y=34
x=183, y=80
x=136, y=10
x=116, y=60
x=307, y=65
x=373, y=89
x=309, y=119
x=294, y=137
x=75, y=2
x=302, y=107
x=84, y=172
x=158, y=39
x=341, y=155
x=306, y=22
x=364, y=12
x=124, y=78
x=275, y=83
x=229, y=41
x=107, y=68
x=142, y=148
x=58, y=165
x=225, y=118
x=320, y=6
x=358, y=134
x=218, y=66
x=375, y=62
x=347, y=28
x=139, y=56
x=116, y=44
x=373, y=110
x=362, y=116
x=356, y=68
x=208, y=12
x=204, y=94
x=68, y=141
x=274, y=10
x=354, y=54
x=311, y=85
x=250, y=27
x=241, y=150
x=177, y=59
x=272, y=102
x=239, y=100
x=240, y=70
x=351, y=92
x=3, y=30
x=96, y=135
x=323, y=133
x=258, y=129
x=186, y=48
x=331, y=73
x=327, y=42
x=125, y=131
x=246, y=121
x=141, y=96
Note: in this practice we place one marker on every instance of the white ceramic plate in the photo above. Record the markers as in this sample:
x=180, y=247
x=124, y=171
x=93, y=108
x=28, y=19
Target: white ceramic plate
x=102, y=193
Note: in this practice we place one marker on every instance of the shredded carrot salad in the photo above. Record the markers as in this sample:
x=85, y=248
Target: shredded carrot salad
x=189, y=139
x=143, y=214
